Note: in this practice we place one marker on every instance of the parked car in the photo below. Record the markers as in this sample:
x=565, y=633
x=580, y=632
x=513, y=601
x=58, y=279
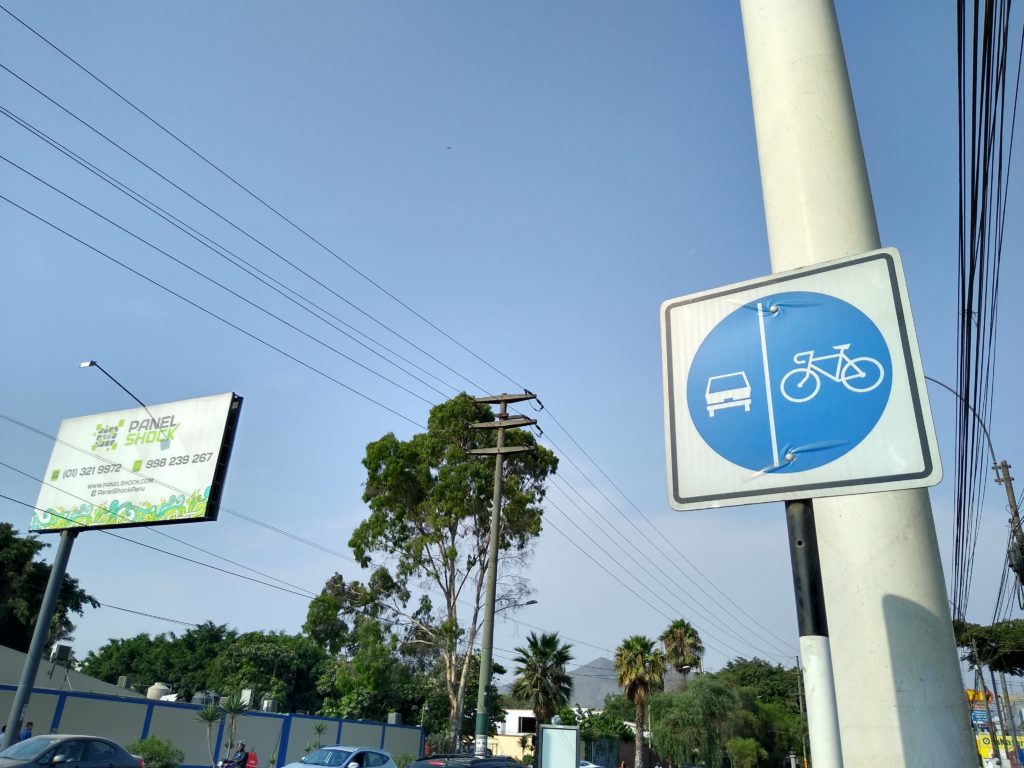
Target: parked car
x=61, y=749
x=588, y=764
x=343, y=757
x=465, y=761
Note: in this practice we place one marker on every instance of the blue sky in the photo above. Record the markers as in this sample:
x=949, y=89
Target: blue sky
x=533, y=178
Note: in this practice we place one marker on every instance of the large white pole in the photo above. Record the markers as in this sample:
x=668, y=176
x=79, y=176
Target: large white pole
x=898, y=687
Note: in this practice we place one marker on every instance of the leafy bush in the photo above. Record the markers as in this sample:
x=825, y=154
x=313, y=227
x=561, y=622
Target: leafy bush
x=402, y=759
x=157, y=752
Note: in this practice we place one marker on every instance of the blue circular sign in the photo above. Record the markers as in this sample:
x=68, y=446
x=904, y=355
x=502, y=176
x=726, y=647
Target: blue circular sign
x=789, y=382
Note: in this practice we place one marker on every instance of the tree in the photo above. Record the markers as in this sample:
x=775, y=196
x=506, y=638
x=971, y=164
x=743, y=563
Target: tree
x=1000, y=646
x=767, y=681
x=619, y=707
x=181, y=662
x=767, y=707
x=232, y=706
x=210, y=716
x=371, y=679
x=22, y=584
x=744, y=753
x=541, y=677
x=286, y=667
x=428, y=529
x=157, y=752
x=683, y=646
x=693, y=722
x=639, y=670
x=436, y=702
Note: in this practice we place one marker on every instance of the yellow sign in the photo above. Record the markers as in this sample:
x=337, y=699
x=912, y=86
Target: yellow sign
x=986, y=740
x=975, y=695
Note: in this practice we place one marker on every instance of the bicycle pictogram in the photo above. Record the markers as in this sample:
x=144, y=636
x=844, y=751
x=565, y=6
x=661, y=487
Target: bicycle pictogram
x=857, y=374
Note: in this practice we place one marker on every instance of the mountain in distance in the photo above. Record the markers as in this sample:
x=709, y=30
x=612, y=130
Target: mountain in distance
x=595, y=680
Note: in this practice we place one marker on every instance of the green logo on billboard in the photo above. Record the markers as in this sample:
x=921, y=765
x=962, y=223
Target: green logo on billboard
x=106, y=436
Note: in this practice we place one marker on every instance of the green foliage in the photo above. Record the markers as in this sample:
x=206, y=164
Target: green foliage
x=745, y=753
x=22, y=584
x=157, y=752
x=402, y=759
x=1000, y=646
x=541, y=677
x=212, y=657
x=619, y=707
x=232, y=707
x=766, y=681
x=639, y=668
x=375, y=678
x=606, y=725
x=693, y=722
x=767, y=705
x=182, y=662
x=284, y=666
x=683, y=646
x=429, y=502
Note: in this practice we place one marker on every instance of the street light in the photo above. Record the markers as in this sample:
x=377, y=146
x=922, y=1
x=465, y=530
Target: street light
x=165, y=443
x=1002, y=470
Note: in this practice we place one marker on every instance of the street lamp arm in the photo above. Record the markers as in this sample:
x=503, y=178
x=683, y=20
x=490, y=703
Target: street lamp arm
x=981, y=422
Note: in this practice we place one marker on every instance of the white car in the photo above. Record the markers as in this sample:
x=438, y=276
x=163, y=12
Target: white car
x=346, y=757
x=588, y=764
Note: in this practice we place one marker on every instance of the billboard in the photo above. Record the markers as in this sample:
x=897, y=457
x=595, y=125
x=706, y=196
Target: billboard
x=143, y=466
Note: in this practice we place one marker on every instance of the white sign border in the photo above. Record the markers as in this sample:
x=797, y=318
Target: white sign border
x=929, y=474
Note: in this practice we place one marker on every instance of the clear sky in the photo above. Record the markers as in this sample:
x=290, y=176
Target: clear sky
x=534, y=178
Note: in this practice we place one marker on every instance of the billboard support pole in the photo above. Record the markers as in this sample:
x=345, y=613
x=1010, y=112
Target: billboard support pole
x=39, y=635
x=893, y=654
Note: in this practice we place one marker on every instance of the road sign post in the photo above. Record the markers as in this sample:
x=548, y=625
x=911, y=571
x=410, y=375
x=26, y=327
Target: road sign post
x=896, y=673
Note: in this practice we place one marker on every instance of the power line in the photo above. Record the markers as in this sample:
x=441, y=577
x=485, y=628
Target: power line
x=225, y=253
x=254, y=196
x=227, y=221
x=200, y=273
x=148, y=615
x=162, y=551
x=80, y=120
x=262, y=524
x=666, y=558
x=211, y=313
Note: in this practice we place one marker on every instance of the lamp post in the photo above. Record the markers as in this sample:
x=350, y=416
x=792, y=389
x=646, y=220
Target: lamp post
x=1015, y=556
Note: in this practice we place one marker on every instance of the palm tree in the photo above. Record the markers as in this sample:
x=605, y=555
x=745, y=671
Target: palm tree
x=683, y=646
x=210, y=715
x=639, y=670
x=541, y=678
x=232, y=706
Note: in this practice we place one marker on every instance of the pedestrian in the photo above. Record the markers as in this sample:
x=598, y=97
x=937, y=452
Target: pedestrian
x=26, y=732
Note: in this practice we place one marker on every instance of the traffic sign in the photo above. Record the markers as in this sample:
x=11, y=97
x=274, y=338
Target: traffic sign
x=801, y=384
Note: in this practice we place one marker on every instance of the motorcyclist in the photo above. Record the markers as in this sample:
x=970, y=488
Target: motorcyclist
x=239, y=758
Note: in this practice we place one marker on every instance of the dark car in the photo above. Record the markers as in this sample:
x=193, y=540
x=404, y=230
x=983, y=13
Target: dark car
x=60, y=749
x=464, y=761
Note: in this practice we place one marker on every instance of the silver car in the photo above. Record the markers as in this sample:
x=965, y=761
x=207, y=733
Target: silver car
x=346, y=757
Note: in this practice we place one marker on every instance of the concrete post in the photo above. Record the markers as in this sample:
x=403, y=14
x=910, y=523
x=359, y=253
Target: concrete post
x=900, y=697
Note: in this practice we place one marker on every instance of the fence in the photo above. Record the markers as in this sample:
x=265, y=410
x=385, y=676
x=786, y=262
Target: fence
x=278, y=739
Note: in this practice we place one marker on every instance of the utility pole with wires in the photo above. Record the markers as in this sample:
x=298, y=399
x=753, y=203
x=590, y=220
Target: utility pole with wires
x=1016, y=553
x=504, y=421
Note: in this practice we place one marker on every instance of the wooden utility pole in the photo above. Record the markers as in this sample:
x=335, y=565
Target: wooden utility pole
x=499, y=451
